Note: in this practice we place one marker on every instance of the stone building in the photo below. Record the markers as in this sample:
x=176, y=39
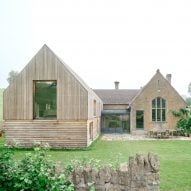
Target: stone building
x=138, y=110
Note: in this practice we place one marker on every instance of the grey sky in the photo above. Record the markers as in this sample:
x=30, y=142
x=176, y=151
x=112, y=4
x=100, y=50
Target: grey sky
x=102, y=40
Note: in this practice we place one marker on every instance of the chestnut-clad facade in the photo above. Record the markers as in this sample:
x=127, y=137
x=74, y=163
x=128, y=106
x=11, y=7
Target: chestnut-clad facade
x=50, y=103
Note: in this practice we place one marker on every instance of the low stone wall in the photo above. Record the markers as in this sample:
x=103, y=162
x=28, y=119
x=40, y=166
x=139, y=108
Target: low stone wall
x=139, y=174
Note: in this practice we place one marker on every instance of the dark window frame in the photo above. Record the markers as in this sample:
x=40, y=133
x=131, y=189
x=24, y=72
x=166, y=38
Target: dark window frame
x=34, y=99
x=158, y=109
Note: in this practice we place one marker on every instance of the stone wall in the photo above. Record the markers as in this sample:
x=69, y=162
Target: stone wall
x=139, y=174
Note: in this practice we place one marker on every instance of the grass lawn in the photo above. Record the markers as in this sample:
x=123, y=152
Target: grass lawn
x=1, y=104
x=175, y=158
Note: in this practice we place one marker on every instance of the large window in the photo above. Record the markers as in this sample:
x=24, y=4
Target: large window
x=158, y=109
x=115, y=123
x=45, y=99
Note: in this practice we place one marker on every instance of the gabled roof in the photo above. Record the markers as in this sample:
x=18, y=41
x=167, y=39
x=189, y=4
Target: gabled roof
x=81, y=81
x=123, y=96
x=158, y=73
x=68, y=68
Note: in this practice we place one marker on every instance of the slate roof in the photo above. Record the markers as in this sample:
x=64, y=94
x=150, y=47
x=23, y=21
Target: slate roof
x=113, y=96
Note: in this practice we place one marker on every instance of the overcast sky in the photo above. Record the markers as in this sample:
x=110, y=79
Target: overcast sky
x=101, y=40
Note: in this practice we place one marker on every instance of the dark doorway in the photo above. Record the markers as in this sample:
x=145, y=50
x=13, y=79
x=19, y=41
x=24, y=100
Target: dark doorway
x=140, y=119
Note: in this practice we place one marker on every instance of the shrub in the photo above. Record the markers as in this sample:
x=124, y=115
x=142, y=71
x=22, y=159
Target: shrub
x=184, y=123
x=7, y=168
x=34, y=172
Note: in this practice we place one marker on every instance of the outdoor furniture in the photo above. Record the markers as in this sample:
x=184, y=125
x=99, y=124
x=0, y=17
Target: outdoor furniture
x=160, y=133
x=172, y=132
x=167, y=133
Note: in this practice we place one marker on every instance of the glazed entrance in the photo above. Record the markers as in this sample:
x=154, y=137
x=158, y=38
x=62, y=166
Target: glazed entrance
x=115, y=121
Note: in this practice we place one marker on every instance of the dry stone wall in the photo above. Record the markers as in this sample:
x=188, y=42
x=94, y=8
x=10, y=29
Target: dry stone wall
x=139, y=174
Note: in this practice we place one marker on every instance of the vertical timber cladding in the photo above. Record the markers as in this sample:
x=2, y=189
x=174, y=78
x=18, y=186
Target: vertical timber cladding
x=72, y=97
x=72, y=101
x=95, y=106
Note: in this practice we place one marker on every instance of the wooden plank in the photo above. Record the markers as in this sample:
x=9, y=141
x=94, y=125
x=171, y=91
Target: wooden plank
x=72, y=134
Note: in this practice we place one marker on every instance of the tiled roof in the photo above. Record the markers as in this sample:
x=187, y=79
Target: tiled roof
x=120, y=96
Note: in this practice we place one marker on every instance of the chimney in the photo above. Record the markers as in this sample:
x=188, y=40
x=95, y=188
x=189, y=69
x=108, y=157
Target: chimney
x=168, y=77
x=116, y=85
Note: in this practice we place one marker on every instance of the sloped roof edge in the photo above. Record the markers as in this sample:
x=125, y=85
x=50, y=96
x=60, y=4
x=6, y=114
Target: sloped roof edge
x=157, y=72
x=81, y=81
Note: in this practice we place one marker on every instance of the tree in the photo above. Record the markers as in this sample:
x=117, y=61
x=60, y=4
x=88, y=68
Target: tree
x=184, y=122
x=188, y=100
x=12, y=75
x=189, y=88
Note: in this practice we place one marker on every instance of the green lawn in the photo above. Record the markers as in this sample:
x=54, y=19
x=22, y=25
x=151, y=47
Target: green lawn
x=1, y=104
x=175, y=158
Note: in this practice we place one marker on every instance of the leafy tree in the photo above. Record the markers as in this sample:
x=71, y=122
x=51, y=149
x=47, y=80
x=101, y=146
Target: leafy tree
x=12, y=75
x=189, y=88
x=188, y=100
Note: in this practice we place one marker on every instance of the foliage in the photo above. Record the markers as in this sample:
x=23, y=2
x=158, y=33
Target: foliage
x=12, y=75
x=7, y=166
x=34, y=172
x=189, y=88
x=176, y=113
x=1, y=104
x=175, y=157
x=188, y=101
x=184, y=123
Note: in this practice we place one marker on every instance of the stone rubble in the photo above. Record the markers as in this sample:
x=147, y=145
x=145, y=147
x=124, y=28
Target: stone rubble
x=139, y=174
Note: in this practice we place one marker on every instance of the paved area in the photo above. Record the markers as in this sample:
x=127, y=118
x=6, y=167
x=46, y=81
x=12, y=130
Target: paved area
x=118, y=136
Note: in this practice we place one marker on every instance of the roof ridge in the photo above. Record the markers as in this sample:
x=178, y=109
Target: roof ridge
x=113, y=96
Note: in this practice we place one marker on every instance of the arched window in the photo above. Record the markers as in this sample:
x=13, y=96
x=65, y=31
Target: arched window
x=159, y=109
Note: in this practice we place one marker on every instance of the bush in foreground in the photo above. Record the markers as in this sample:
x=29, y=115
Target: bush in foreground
x=34, y=172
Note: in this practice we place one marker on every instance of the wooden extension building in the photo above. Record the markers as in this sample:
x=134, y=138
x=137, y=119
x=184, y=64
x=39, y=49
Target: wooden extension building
x=49, y=103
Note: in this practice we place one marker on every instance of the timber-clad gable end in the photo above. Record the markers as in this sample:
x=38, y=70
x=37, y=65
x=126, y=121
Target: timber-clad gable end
x=49, y=103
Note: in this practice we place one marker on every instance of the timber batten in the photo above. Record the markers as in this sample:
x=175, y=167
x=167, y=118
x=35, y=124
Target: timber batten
x=74, y=102
x=56, y=134
x=18, y=97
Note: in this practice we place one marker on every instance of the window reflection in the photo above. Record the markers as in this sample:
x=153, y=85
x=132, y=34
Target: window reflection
x=45, y=99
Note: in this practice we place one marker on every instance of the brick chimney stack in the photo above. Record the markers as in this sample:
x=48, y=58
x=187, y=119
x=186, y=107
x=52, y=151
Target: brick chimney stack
x=116, y=85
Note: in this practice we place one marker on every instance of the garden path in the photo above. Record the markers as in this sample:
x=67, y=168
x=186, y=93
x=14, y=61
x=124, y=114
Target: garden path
x=119, y=136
